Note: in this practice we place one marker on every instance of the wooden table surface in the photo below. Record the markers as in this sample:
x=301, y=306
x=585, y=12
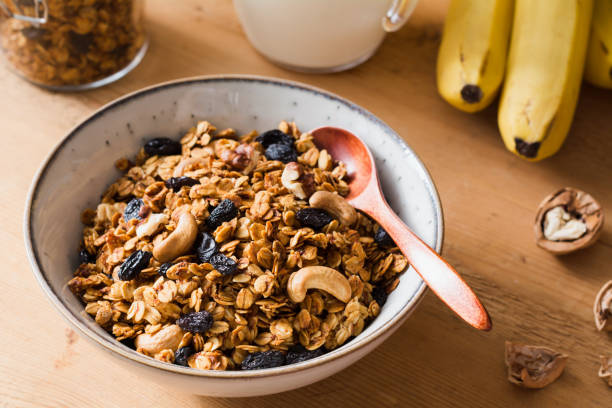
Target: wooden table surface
x=489, y=198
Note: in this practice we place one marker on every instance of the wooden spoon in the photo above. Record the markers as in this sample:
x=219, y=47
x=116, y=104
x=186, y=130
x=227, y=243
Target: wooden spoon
x=365, y=194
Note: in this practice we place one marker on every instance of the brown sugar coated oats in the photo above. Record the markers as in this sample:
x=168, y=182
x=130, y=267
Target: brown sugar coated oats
x=228, y=259
x=82, y=41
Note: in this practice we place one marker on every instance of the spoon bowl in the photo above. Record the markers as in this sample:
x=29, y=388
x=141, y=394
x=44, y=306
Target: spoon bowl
x=366, y=195
x=350, y=150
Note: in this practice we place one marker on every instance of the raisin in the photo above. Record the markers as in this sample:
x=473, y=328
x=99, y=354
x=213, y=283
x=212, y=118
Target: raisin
x=297, y=354
x=274, y=136
x=281, y=152
x=314, y=218
x=81, y=42
x=135, y=263
x=206, y=247
x=471, y=93
x=196, y=322
x=175, y=183
x=382, y=237
x=129, y=342
x=164, y=268
x=86, y=257
x=121, y=50
x=225, y=211
x=182, y=354
x=33, y=33
x=379, y=294
x=263, y=359
x=224, y=265
x=132, y=209
x=162, y=146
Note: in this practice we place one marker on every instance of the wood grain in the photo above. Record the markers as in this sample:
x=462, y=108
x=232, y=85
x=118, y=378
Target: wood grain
x=489, y=196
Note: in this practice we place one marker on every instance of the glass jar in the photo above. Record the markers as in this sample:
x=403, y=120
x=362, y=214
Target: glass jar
x=72, y=44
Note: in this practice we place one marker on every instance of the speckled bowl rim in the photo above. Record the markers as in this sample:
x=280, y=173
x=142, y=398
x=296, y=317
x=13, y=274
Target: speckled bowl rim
x=129, y=354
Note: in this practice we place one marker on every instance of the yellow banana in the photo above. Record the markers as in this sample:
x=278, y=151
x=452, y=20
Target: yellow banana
x=472, y=55
x=545, y=66
x=598, y=67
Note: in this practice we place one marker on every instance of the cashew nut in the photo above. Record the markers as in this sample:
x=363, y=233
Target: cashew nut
x=336, y=205
x=179, y=241
x=167, y=338
x=318, y=277
x=296, y=181
x=150, y=226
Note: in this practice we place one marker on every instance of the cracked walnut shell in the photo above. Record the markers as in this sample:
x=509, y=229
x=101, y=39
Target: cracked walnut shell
x=568, y=220
x=602, y=309
x=533, y=366
x=605, y=371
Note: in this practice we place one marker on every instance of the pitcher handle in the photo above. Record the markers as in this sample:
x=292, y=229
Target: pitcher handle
x=398, y=14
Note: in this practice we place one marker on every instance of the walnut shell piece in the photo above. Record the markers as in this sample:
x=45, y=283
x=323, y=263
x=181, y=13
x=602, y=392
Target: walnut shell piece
x=561, y=220
x=605, y=371
x=533, y=366
x=602, y=309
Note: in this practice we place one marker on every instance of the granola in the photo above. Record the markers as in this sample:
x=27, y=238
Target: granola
x=82, y=41
x=246, y=284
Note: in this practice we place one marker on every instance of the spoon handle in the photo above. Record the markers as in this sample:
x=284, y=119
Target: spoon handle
x=441, y=278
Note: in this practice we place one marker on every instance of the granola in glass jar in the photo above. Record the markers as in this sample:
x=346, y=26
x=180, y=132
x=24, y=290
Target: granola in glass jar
x=72, y=44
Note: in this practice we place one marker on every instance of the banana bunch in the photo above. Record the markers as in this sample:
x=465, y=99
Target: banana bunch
x=472, y=54
x=542, y=47
x=545, y=66
x=598, y=68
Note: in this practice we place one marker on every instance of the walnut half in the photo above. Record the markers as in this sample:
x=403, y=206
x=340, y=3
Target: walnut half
x=602, y=309
x=567, y=220
x=533, y=366
x=244, y=157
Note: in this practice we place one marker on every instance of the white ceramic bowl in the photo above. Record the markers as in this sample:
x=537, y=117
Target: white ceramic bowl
x=81, y=166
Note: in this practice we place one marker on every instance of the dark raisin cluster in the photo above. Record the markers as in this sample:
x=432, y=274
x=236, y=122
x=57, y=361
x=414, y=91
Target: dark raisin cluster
x=182, y=355
x=379, y=294
x=162, y=146
x=163, y=268
x=314, y=218
x=281, y=153
x=297, y=354
x=278, y=146
x=223, y=264
x=196, y=322
x=207, y=251
x=175, y=183
x=274, y=136
x=135, y=263
x=132, y=209
x=224, y=211
x=206, y=247
x=86, y=257
x=382, y=237
x=263, y=359
x=275, y=358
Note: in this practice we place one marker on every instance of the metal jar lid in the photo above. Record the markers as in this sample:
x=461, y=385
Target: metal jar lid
x=41, y=11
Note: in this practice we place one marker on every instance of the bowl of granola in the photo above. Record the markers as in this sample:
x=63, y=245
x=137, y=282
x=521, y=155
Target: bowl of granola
x=174, y=229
